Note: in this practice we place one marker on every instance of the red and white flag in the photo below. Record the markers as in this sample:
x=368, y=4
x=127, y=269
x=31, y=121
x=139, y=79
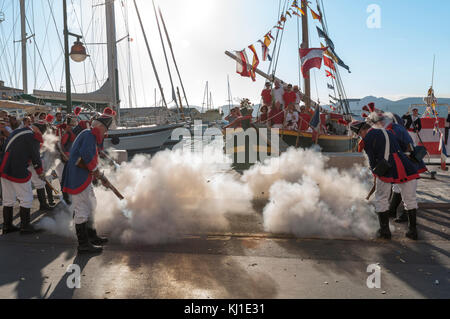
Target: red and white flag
x=311, y=58
x=242, y=68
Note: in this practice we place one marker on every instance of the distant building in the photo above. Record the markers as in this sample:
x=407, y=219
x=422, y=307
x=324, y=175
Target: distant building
x=192, y=113
x=8, y=93
x=146, y=116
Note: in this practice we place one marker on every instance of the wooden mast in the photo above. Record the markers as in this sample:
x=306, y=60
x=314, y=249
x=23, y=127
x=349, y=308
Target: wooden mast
x=305, y=45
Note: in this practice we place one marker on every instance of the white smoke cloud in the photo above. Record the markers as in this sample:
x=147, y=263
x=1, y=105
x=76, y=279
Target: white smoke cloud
x=306, y=199
x=177, y=193
x=169, y=195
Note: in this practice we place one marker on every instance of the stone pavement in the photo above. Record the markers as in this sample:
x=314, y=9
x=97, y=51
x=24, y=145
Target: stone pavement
x=243, y=263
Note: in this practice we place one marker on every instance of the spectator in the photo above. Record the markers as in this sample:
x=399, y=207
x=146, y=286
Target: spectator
x=264, y=115
x=292, y=118
x=413, y=124
x=58, y=119
x=278, y=93
x=267, y=95
x=289, y=97
x=298, y=98
x=276, y=116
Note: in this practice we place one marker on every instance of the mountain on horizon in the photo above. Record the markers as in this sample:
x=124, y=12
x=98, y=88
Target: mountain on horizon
x=400, y=107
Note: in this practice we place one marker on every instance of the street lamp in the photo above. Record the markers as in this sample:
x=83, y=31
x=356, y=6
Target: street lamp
x=77, y=53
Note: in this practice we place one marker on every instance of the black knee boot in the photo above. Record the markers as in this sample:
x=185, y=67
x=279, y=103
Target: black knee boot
x=384, y=231
x=43, y=206
x=412, y=231
x=84, y=245
x=8, y=226
x=51, y=199
x=403, y=218
x=93, y=237
x=393, y=206
x=25, y=222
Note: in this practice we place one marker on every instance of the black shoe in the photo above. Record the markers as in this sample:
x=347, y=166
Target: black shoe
x=384, y=232
x=43, y=206
x=94, y=239
x=51, y=199
x=84, y=245
x=393, y=206
x=25, y=222
x=412, y=225
x=402, y=219
x=8, y=226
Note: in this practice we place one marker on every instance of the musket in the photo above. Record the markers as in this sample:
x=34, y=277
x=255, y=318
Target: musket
x=374, y=188
x=50, y=185
x=111, y=161
x=105, y=181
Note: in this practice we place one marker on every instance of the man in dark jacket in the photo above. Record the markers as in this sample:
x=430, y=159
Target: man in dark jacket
x=413, y=124
x=20, y=148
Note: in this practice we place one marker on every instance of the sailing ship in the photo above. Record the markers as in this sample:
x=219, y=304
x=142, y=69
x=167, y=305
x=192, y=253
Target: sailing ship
x=333, y=135
x=133, y=140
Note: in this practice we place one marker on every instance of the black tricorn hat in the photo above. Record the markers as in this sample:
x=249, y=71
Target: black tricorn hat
x=105, y=120
x=42, y=127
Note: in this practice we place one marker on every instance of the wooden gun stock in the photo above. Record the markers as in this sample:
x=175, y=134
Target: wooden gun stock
x=105, y=181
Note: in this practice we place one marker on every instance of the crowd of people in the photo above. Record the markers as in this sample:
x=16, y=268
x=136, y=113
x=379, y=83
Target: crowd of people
x=281, y=108
x=24, y=166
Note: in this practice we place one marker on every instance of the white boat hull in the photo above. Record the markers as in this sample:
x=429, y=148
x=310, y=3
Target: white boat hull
x=143, y=139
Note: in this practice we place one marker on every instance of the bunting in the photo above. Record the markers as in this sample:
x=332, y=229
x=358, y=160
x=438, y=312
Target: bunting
x=265, y=50
x=329, y=63
x=242, y=67
x=315, y=60
x=315, y=15
x=328, y=53
x=295, y=5
x=329, y=74
x=255, y=62
x=323, y=35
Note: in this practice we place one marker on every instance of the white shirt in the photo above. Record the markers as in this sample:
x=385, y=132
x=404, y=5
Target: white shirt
x=292, y=117
x=278, y=95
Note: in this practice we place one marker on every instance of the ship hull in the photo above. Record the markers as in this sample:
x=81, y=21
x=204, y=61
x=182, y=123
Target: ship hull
x=141, y=140
x=245, y=154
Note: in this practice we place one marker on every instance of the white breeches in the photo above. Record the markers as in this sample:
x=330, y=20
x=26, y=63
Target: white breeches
x=409, y=194
x=35, y=180
x=383, y=192
x=16, y=191
x=84, y=205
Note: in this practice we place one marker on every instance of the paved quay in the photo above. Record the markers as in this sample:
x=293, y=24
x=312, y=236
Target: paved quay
x=244, y=262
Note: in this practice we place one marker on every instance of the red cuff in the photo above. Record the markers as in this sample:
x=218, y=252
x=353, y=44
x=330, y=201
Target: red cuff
x=92, y=165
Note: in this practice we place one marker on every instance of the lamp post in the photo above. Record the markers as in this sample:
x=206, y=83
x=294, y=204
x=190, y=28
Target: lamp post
x=77, y=53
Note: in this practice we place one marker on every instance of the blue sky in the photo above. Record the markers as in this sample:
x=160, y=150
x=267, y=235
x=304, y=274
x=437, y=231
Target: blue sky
x=393, y=61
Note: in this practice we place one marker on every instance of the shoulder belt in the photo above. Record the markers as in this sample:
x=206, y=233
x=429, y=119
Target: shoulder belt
x=15, y=137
